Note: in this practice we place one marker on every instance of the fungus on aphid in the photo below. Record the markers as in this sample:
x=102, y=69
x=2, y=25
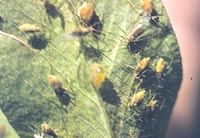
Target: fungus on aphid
x=160, y=65
x=29, y=28
x=97, y=75
x=137, y=97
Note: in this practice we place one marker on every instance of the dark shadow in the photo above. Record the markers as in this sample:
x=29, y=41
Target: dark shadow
x=90, y=52
x=1, y=21
x=63, y=97
x=108, y=93
x=52, y=12
x=136, y=46
x=38, y=42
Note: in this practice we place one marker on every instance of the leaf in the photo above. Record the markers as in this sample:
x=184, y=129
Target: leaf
x=28, y=100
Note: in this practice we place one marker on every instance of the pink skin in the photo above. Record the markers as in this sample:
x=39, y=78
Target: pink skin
x=185, y=20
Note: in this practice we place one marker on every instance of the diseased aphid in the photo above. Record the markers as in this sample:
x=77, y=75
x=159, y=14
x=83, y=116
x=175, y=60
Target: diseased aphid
x=54, y=82
x=138, y=30
x=146, y=5
x=47, y=130
x=97, y=75
x=142, y=65
x=152, y=104
x=160, y=65
x=81, y=31
x=86, y=12
x=29, y=28
x=137, y=97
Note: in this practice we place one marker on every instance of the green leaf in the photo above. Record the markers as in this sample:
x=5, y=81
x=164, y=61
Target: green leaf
x=85, y=111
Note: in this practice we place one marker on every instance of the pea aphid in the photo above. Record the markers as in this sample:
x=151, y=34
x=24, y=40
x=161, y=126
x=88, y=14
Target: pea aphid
x=137, y=98
x=81, y=31
x=29, y=28
x=47, y=130
x=97, y=75
x=160, y=65
x=86, y=12
x=138, y=30
x=141, y=66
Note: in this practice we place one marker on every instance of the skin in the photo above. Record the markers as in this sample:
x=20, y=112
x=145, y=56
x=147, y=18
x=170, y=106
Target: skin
x=185, y=20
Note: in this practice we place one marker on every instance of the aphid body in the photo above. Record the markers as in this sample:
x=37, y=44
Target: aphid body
x=142, y=65
x=29, y=28
x=81, y=31
x=152, y=104
x=47, y=130
x=137, y=97
x=97, y=75
x=54, y=82
x=86, y=12
x=138, y=30
x=160, y=66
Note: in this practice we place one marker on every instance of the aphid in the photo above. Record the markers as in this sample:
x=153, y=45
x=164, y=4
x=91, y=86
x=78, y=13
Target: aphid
x=142, y=65
x=47, y=130
x=54, y=82
x=29, y=28
x=2, y=131
x=138, y=30
x=146, y=5
x=81, y=31
x=137, y=97
x=160, y=67
x=152, y=104
x=86, y=12
x=97, y=75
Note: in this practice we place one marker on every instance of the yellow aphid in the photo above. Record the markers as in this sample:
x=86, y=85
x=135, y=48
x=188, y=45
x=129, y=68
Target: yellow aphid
x=152, y=104
x=146, y=5
x=54, y=82
x=97, y=75
x=47, y=130
x=81, y=31
x=138, y=30
x=29, y=28
x=142, y=64
x=137, y=97
x=86, y=12
x=160, y=66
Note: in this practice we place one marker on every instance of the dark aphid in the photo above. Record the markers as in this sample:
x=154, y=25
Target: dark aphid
x=47, y=130
x=142, y=65
x=154, y=17
x=29, y=28
x=1, y=21
x=38, y=42
x=137, y=97
x=97, y=75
